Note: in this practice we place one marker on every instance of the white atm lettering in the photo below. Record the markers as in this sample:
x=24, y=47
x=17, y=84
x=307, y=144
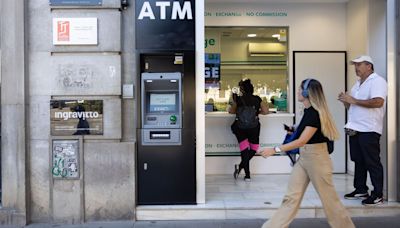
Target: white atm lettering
x=177, y=12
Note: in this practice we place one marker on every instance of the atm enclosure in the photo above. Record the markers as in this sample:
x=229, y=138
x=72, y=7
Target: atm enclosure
x=166, y=156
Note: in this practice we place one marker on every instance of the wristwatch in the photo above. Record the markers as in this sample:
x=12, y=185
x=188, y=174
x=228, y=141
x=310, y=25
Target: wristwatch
x=277, y=149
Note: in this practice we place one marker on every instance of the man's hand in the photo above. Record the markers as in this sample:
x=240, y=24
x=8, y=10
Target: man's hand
x=346, y=98
x=267, y=152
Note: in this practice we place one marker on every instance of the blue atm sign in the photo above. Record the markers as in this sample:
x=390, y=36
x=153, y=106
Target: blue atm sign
x=75, y=2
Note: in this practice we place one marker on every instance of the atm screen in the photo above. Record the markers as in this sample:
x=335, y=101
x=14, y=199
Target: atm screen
x=162, y=102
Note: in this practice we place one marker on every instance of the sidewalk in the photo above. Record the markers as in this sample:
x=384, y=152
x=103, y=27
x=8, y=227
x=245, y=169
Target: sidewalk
x=370, y=222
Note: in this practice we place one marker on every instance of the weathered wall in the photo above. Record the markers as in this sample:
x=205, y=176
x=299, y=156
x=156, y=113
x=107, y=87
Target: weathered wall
x=105, y=190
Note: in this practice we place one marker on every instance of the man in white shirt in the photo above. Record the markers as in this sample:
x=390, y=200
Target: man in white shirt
x=366, y=106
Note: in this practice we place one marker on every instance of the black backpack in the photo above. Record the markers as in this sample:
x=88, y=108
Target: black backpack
x=246, y=116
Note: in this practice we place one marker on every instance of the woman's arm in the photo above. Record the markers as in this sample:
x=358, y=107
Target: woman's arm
x=305, y=136
x=264, y=108
x=232, y=108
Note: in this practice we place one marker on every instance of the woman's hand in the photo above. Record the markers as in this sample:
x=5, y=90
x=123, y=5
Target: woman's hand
x=267, y=152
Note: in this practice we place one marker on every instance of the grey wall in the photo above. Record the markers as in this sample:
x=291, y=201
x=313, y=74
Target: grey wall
x=105, y=190
x=13, y=113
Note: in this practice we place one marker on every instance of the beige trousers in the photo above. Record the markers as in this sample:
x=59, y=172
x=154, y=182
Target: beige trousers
x=314, y=165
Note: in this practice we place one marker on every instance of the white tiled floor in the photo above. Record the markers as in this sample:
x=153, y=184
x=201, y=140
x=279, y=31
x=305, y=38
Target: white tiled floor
x=265, y=189
x=227, y=198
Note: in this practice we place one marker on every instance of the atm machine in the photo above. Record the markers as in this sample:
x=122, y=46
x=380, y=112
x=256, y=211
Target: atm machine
x=166, y=171
x=161, y=100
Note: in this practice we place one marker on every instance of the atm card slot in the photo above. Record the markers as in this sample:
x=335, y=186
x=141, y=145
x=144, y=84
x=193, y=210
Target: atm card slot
x=160, y=135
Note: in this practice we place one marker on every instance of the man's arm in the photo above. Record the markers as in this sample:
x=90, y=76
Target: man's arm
x=348, y=100
x=375, y=102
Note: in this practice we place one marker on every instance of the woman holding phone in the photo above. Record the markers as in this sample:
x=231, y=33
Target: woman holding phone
x=314, y=131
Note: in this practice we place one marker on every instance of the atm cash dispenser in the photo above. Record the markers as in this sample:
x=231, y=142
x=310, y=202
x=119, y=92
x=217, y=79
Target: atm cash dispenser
x=166, y=157
x=162, y=109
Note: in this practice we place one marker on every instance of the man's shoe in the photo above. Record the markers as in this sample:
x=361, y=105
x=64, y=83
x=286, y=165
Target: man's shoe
x=356, y=195
x=236, y=172
x=372, y=200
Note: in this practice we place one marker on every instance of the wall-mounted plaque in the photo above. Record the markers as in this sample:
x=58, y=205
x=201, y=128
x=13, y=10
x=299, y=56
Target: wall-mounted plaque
x=65, y=159
x=75, y=31
x=76, y=117
x=75, y=2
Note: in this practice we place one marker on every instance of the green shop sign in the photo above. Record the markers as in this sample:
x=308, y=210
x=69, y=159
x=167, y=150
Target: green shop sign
x=246, y=14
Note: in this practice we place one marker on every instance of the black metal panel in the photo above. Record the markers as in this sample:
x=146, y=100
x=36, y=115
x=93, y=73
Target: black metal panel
x=170, y=174
x=164, y=33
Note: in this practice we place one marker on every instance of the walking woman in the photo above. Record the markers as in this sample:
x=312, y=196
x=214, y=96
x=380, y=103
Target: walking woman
x=315, y=129
x=247, y=126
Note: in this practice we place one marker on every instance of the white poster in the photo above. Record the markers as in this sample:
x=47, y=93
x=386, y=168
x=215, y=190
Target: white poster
x=75, y=31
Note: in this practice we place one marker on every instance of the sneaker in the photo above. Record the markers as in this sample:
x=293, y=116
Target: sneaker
x=247, y=179
x=356, y=195
x=236, y=172
x=372, y=200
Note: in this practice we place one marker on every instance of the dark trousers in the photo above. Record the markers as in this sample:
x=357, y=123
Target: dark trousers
x=246, y=155
x=365, y=152
x=252, y=135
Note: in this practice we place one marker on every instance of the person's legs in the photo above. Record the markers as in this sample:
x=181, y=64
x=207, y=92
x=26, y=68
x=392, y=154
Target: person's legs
x=360, y=171
x=245, y=162
x=297, y=185
x=371, y=150
x=319, y=168
x=253, y=136
x=244, y=145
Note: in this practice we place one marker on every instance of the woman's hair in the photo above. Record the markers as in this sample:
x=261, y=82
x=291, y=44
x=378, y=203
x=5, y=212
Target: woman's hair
x=318, y=102
x=246, y=87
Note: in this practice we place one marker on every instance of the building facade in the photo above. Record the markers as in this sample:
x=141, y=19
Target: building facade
x=67, y=68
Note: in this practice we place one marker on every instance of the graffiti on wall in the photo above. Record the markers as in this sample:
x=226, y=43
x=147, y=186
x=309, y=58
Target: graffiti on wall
x=75, y=76
x=65, y=159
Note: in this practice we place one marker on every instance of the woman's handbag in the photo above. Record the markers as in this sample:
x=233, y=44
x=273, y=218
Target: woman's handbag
x=292, y=154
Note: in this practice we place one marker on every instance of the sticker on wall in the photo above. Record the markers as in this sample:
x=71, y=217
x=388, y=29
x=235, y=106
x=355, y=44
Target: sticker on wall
x=65, y=154
x=75, y=31
x=76, y=117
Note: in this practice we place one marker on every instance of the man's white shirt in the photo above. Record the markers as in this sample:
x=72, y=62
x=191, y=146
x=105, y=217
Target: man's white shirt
x=368, y=119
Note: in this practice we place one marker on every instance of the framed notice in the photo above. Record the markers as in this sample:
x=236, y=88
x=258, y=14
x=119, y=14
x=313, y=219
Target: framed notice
x=75, y=31
x=65, y=159
x=76, y=117
x=75, y=2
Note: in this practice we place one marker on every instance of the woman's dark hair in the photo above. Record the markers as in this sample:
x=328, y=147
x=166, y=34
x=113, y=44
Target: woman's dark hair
x=246, y=87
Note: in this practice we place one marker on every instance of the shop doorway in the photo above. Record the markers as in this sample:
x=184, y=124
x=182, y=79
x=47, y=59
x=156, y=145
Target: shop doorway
x=232, y=54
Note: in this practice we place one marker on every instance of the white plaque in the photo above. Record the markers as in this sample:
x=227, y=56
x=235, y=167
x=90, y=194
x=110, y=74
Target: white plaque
x=75, y=31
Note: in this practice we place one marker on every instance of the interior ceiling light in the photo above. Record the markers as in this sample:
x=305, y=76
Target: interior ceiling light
x=276, y=36
x=251, y=35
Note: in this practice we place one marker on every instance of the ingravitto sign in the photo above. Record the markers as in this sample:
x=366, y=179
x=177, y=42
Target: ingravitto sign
x=76, y=117
x=165, y=25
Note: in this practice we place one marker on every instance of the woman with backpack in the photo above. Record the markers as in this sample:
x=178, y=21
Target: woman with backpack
x=315, y=129
x=246, y=127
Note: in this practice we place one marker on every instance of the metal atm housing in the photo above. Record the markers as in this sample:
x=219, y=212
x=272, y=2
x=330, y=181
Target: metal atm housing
x=161, y=108
x=166, y=142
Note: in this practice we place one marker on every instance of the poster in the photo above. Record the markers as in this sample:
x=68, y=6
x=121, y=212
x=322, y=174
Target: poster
x=212, y=66
x=76, y=117
x=65, y=159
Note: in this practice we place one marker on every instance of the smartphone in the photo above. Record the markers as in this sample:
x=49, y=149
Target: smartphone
x=287, y=128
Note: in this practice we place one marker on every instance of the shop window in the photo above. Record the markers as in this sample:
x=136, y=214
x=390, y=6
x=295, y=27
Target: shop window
x=257, y=53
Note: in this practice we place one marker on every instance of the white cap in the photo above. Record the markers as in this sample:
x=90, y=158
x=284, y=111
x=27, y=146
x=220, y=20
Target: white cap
x=363, y=58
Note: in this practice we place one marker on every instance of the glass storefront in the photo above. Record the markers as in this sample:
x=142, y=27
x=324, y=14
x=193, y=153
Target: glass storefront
x=257, y=53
